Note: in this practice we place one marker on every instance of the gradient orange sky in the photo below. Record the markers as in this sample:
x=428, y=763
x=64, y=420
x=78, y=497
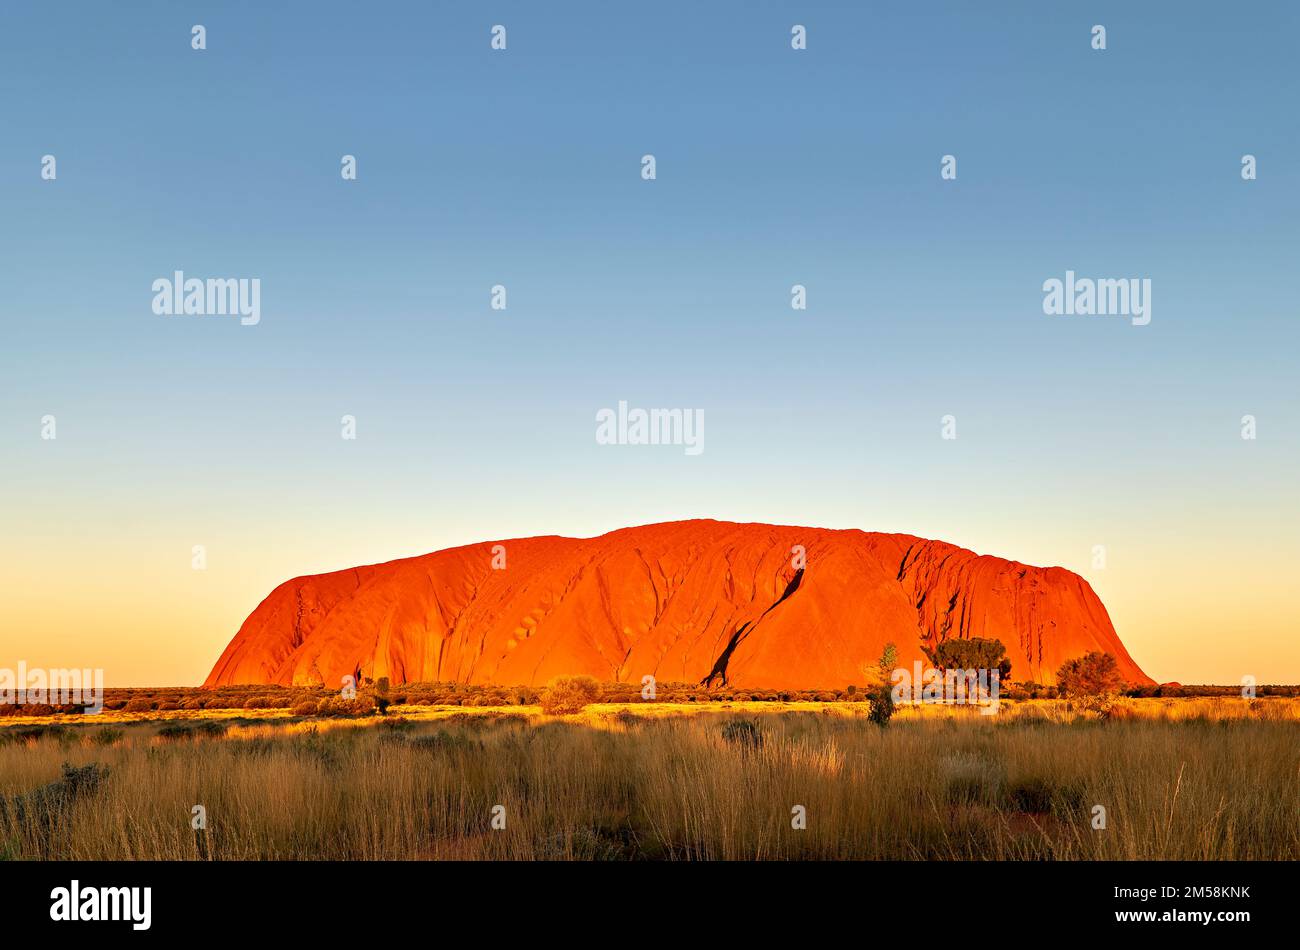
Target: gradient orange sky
x=112, y=587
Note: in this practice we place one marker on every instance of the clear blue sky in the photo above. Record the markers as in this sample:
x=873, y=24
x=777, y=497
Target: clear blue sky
x=775, y=167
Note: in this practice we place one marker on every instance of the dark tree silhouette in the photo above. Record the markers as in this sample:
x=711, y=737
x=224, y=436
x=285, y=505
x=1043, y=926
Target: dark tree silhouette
x=977, y=653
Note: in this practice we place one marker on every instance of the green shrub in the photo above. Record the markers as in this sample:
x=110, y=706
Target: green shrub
x=47, y=805
x=882, y=705
x=363, y=705
x=26, y=734
x=569, y=694
x=1092, y=682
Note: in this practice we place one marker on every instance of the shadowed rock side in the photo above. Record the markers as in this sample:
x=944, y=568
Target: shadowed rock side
x=685, y=601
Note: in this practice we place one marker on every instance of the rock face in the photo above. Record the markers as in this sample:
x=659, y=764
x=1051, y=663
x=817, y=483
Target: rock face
x=686, y=601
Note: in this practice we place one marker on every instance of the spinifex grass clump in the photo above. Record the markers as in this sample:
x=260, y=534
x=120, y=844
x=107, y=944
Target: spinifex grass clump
x=743, y=733
x=37, y=814
x=180, y=731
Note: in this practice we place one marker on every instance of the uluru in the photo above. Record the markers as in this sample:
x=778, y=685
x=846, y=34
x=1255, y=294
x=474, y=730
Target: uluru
x=750, y=605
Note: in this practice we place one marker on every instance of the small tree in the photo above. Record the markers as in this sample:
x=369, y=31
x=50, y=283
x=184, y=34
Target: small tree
x=882, y=704
x=881, y=670
x=569, y=694
x=888, y=661
x=1092, y=681
x=977, y=653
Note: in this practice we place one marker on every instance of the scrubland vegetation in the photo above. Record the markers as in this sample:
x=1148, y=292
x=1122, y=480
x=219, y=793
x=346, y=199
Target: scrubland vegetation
x=1207, y=778
x=303, y=700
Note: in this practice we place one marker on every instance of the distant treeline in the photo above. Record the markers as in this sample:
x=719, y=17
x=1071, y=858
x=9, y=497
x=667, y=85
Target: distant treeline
x=300, y=699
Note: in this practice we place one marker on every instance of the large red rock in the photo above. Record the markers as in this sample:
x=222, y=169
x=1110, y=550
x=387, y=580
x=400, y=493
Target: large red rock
x=685, y=601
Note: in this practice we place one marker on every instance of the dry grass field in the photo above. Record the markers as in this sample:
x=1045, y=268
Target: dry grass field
x=1191, y=778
